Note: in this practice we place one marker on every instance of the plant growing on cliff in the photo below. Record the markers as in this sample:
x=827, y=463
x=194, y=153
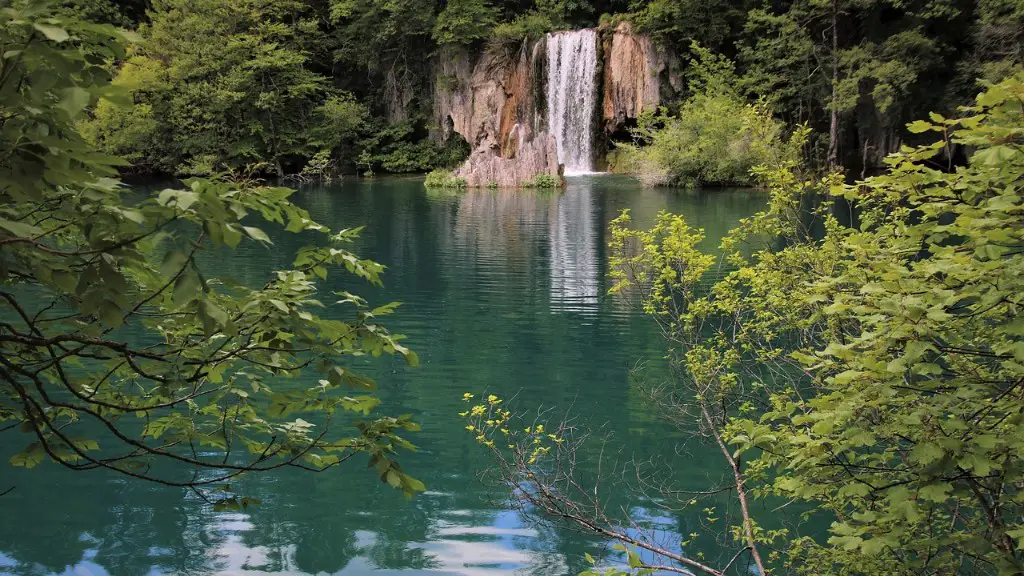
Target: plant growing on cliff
x=121, y=347
x=874, y=375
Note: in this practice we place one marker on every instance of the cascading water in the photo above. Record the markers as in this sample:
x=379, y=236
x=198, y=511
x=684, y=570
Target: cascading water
x=571, y=96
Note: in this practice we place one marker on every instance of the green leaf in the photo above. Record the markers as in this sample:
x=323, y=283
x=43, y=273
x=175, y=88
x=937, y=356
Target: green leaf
x=186, y=288
x=52, y=33
x=926, y=453
x=20, y=228
x=74, y=100
x=232, y=235
x=214, y=317
x=110, y=314
x=919, y=126
x=935, y=492
x=414, y=484
x=172, y=263
x=257, y=234
x=30, y=457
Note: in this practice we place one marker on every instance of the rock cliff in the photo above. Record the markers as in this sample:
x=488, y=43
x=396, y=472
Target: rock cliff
x=497, y=101
x=494, y=103
x=636, y=76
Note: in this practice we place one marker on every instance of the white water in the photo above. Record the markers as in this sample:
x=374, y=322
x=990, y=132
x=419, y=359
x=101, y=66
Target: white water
x=571, y=96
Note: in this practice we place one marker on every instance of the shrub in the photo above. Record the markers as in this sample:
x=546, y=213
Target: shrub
x=542, y=181
x=444, y=179
x=717, y=137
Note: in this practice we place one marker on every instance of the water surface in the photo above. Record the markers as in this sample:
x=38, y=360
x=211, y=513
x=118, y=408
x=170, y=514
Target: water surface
x=503, y=291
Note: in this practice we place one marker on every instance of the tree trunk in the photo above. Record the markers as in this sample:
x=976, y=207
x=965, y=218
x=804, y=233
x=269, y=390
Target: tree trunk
x=834, y=128
x=279, y=167
x=833, y=132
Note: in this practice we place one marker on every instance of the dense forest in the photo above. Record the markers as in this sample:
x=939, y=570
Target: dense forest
x=284, y=86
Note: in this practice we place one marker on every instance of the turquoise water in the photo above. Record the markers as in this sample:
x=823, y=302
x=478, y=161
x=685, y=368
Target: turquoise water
x=504, y=292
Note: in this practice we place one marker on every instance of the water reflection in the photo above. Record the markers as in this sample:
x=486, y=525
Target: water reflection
x=502, y=291
x=573, y=237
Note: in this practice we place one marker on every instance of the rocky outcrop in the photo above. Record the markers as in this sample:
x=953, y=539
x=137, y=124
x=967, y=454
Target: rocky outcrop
x=494, y=103
x=636, y=75
x=527, y=159
x=497, y=101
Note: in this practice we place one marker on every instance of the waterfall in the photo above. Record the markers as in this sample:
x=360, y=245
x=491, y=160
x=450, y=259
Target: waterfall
x=572, y=95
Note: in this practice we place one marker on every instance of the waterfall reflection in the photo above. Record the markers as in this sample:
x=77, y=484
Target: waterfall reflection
x=573, y=254
x=511, y=228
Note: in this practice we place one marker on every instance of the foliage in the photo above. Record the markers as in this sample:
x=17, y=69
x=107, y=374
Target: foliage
x=857, y=70
x=395, y=148
x=230, y=84
x=529, y=26
x=244, y=81
x=874, y=373
x=119, y=348
x=779, y=58
x=123, y=13
x=465, y=22
x=678, y=23
x=544, y=181
x=919, y=383
x=716, y=138
x=444, y=179
x=134, y=132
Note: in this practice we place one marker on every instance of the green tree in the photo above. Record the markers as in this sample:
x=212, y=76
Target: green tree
x=677, y=23
x=999, y=36
x=857, y=70
x=873, y=374
x=465, y=22
x=715, y=138
x=118, y=350
x=124, y=13
x=231, y=84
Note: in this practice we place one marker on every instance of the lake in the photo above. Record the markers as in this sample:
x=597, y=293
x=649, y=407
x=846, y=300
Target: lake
x=503, y=292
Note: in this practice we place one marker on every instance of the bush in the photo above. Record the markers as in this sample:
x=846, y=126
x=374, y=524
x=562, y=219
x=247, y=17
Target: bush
x=525, y=27
x=542, y=181
x=717, y=137
x=444, y=179
x=398, y=148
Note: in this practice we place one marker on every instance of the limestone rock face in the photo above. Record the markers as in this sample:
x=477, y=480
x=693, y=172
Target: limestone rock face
x=497, y=101
x=636, y=74
x=537, y=155
x=494, y=104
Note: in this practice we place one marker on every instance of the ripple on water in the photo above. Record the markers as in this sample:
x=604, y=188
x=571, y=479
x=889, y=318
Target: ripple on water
x=502, y=291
